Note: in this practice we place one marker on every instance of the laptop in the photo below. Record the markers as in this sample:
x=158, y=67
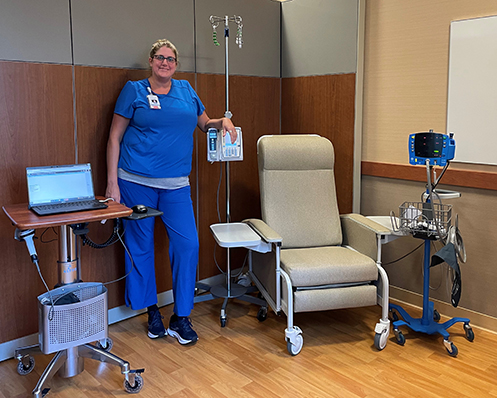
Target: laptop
x=61, y=189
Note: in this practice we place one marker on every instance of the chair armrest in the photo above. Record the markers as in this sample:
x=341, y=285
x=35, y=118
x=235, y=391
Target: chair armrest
x=366, y=223
x=264, y=230
x=361, y=233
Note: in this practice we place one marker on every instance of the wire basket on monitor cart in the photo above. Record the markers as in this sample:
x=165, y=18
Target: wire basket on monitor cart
x=423, y=220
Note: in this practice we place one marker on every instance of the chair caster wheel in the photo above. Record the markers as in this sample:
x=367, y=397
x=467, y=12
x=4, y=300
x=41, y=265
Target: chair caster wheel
x=296, y=346
x=23, y=369
x=136, y=388
x=222, y=320
x=262, y=314
x=380, y=340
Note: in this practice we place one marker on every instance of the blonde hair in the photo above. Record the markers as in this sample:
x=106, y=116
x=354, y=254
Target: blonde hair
x=163, y=43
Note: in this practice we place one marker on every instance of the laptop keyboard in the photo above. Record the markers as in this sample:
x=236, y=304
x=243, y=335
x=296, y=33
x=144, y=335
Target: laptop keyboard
x=69, y=207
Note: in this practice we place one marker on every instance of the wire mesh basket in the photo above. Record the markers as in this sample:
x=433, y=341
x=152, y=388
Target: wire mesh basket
x=423, y=220
x=72, y=315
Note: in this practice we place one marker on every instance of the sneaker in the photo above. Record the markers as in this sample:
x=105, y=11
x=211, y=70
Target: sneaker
x=155, y=326
x=181, y=328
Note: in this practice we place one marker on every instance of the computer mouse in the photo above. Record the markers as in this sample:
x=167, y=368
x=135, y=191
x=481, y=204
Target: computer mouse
x=139, y=209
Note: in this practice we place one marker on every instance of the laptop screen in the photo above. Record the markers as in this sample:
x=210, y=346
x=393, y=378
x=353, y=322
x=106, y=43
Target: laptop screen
x=57, y=184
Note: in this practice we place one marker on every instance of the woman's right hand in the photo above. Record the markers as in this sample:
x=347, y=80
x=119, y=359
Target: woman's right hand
x=113, y=192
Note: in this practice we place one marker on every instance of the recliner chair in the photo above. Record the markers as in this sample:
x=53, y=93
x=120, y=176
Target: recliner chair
x=325, y=260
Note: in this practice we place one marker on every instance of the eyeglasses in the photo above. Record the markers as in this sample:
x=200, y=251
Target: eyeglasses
x=161, y=58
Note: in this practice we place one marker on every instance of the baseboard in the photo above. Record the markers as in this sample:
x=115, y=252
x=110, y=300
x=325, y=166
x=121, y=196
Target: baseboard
x=445, y=309
x=115, y=315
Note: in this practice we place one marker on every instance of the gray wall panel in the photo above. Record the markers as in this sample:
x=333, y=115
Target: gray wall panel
x=260, y=54
x=319, y=37
x=35, y=31
x=119, y=33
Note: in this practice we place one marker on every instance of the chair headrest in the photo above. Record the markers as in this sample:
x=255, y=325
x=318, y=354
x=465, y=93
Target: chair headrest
x=295, y=152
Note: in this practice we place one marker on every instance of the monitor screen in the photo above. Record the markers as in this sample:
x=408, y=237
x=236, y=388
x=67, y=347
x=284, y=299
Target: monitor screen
x=428, y=145
x=57, y=184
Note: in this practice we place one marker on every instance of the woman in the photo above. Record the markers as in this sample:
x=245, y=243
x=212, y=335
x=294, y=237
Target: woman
x=149, y=157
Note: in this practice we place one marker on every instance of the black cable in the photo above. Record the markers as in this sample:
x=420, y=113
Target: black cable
x=404, y=256
x=112, y=239
x=132, y=262
x=43, y=233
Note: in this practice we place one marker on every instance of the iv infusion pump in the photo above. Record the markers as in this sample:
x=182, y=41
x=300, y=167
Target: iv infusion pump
x=221, y=149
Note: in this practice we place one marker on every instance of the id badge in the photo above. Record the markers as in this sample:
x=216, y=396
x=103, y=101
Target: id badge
x=153, y=101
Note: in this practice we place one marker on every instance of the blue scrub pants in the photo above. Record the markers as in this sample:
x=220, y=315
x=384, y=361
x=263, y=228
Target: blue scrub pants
x=179, y=220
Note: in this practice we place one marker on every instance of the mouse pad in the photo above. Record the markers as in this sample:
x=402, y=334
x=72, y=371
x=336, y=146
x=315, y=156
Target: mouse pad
x=149, y=213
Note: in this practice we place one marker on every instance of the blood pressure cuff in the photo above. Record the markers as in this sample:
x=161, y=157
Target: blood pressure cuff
x=448, y=255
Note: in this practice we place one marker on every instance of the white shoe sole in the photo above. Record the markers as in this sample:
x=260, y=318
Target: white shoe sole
x=156, y=336
x=181, y=340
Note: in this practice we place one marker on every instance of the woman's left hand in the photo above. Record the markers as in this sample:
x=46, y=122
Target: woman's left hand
x=229, y=128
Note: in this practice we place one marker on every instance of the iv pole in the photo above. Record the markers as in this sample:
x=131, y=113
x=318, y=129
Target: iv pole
x=229, y=291
x=215, y=23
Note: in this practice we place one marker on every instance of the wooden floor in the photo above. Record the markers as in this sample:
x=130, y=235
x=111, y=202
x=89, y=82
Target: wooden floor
x=249, y=359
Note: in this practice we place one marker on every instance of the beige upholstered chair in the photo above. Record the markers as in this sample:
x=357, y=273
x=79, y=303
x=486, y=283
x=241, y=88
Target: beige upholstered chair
x=325, y=261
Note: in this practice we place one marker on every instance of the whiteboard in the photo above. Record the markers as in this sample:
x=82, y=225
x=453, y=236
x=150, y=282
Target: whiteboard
x=472, y=89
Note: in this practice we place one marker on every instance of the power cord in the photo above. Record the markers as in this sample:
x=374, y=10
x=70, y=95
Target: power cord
x=80, y=229
x=28, y=237
x=404, y=256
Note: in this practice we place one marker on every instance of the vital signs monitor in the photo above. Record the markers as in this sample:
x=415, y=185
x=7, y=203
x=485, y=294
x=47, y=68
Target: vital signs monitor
x=436, y=148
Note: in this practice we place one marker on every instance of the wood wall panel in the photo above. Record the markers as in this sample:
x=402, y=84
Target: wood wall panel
x=461, y=178
x=36, y=129
x=324, y=105
x=97, y=90
x=254, y=102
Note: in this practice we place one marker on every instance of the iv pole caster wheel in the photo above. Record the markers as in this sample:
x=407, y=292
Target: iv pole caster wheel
x=22, y=369
x=399, y=337
x=136, y=388
x=262, y=314
x=451, y=348
x=436, y=316
x=222, y=320
x=470, y=335
x=107, y=345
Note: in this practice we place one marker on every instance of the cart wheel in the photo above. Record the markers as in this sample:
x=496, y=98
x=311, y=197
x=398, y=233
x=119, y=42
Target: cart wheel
x=107, y=345
x=380, y=340
x=223, y=321
x=22, y=369
x=136, y=388
x=453, y=351
x=436, y=316
x=399, y=337
x=470, y=335
x=297, y=345
x=262, y=314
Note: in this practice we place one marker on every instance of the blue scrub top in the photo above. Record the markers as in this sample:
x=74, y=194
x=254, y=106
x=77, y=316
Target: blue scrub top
x=158, y=143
